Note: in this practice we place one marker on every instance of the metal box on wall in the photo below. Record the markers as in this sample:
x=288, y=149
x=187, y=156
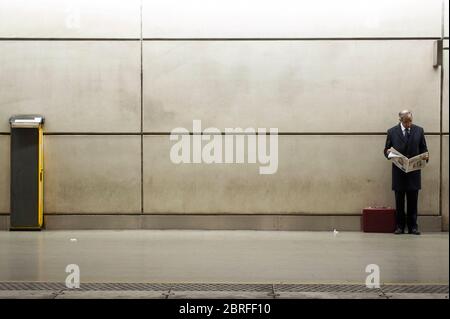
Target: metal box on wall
x=27, y=172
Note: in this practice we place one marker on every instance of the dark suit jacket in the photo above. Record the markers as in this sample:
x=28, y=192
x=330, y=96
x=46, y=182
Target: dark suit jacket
x=402, y=181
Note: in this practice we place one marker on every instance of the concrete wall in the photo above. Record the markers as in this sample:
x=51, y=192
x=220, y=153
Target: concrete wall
x=80, y=86
x=294, y=188
x=296, y=86
x=113, y=78
x=445, y=188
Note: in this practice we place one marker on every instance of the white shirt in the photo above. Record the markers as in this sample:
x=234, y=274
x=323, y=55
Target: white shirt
x=404, y=134
x=403, y=129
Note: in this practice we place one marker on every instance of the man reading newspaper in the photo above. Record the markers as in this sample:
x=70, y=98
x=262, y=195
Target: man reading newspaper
x=407, y=148
x=407, y=164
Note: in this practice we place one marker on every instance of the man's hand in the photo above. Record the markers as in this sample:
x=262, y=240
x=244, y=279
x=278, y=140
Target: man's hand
x=387, y=152
x=426, y=157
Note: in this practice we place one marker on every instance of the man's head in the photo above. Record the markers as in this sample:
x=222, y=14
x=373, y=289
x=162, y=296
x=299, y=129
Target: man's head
x=405, y=117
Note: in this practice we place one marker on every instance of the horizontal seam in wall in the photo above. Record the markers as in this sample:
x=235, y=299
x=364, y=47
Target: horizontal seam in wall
x=69, y=39
x=221, y=133
x=246, y=133
x=197, y=214
x=295, y=39
x=285, y=133
x=222, y=39
x=93, y=133
x=209, y=214
x=214, y=214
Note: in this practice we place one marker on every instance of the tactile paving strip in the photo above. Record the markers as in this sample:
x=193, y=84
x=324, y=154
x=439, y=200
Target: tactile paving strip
x=332, y=288
x=323, y=288
x=420, y=289
x=223, y=287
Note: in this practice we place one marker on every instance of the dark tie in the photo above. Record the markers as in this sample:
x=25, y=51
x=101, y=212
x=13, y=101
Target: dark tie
x=407, y=134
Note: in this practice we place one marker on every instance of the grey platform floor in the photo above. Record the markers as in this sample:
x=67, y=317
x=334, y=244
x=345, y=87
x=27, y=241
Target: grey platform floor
x=258, y=258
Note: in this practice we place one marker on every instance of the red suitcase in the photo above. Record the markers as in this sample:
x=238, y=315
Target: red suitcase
x=378, y=220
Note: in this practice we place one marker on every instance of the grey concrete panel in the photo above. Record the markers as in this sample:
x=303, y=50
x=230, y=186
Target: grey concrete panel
x=445, y=101
x=230, y=222
x=214, y=222
x=85, y=222
x=430, y=223
x=4, y=222
x=445, y=189
x=446, y=17
x=70, y=19
x=320, y=223
x=292, y=18
x=252, y=222
x=79, y=86
x=307, y=181
x=5, y=173
x=92, y=174
x=295, y=86
x=263, y=222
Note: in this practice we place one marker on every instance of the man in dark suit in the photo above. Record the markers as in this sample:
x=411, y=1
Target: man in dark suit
x=408, y=139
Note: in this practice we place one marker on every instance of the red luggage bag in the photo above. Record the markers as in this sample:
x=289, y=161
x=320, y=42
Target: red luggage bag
x=378, y=220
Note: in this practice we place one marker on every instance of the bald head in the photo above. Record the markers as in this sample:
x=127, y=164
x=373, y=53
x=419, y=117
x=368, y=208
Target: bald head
x=405, y=117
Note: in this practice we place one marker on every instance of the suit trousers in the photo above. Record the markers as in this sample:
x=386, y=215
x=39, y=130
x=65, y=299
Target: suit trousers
x=411, y=214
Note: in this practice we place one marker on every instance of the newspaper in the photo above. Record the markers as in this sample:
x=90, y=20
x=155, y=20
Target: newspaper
x=407, y=164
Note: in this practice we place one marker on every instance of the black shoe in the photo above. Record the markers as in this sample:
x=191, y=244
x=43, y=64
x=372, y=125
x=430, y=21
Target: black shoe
x=414, y=231
x=399, y=231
